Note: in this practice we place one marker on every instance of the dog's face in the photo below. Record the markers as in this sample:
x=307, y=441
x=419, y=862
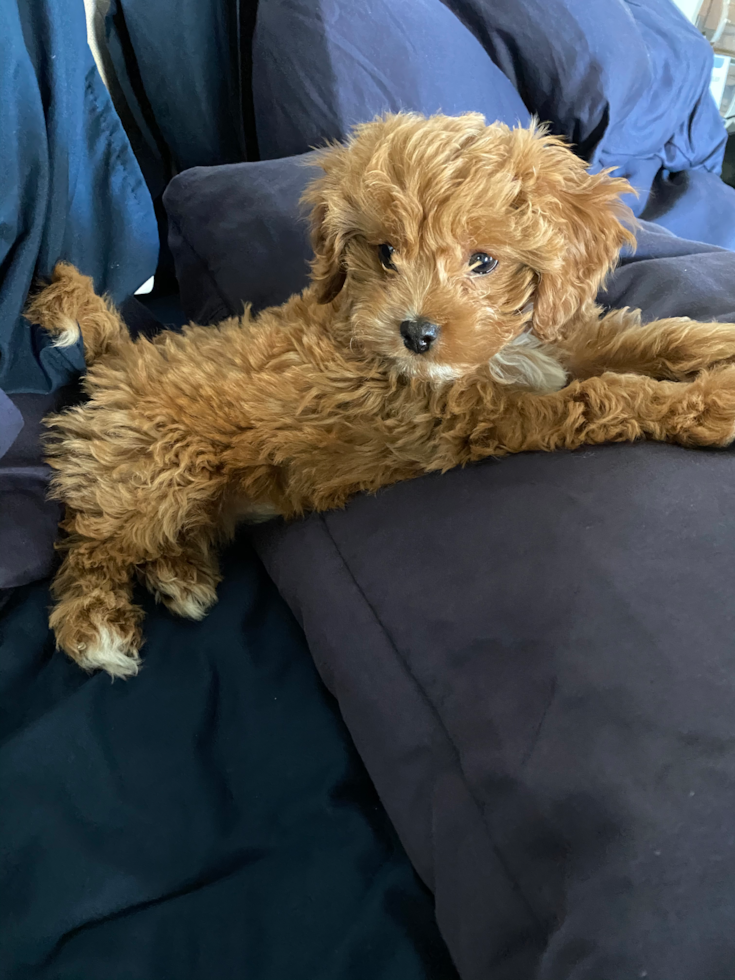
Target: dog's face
x=442, y=239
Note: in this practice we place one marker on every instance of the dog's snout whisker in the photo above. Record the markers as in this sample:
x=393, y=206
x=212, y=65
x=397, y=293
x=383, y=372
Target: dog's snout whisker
x=419, y=334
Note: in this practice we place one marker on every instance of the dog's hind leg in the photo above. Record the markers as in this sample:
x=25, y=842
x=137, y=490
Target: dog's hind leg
x=69, y=307
x=186, y=582
x=671, y=349
x=94, y=619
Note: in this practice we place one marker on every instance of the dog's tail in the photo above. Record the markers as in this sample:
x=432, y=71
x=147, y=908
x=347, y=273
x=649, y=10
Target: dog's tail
x=69, y=308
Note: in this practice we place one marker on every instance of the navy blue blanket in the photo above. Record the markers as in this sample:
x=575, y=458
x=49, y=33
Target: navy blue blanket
x=209, y=822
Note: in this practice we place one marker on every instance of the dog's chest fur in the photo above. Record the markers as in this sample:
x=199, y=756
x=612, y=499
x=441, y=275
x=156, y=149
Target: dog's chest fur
x=529, y=363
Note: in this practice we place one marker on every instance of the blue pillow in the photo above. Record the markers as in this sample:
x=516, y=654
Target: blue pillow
x=237, y=234
x=320, y=66
x=627, y=81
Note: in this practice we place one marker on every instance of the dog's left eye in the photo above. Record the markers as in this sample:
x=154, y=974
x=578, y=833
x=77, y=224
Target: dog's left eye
x=385, y=253
x=481, y=263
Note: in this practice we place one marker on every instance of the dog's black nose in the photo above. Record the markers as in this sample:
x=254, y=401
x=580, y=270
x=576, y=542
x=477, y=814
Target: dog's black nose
x=419, y=335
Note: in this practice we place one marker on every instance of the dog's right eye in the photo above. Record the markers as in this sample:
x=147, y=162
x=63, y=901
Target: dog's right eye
x=386, y=256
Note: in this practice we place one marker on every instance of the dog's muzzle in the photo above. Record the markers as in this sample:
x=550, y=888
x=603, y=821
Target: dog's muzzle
x=418, y=335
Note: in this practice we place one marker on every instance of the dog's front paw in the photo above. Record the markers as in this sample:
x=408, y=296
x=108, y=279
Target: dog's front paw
x=708, y=416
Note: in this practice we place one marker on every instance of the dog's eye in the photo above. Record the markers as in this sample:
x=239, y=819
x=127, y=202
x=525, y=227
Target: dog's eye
x=481, y=263
x=385, y=252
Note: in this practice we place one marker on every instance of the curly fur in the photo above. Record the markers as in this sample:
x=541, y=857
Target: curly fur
x=319, y=399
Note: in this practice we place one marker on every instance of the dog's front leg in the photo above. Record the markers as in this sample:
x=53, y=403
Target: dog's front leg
x=612, y=408
x=672, y=349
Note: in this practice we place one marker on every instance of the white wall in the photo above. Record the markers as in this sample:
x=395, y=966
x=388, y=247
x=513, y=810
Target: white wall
x=95, y=11
x=690, y=8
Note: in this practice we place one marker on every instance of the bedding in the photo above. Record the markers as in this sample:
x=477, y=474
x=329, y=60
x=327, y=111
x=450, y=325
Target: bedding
x=210, y=821
x=204, y=118
x=610, y=77
x=533, y=657
x=227, y=223
x=318, y=69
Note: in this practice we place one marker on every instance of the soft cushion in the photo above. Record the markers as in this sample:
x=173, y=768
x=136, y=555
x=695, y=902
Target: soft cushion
x=694, y=204
x=535, y=660
x=669, y=276
x=534, y=657
x=237, y=234
x=319, y=67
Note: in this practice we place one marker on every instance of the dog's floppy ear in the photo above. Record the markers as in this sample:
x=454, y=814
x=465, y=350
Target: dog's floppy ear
x=575, y=226
x=330, y=230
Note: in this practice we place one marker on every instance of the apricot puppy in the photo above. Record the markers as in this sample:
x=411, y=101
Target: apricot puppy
x=451, y=316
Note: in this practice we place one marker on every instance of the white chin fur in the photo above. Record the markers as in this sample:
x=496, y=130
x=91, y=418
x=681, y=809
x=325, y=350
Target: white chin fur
x=525, y=362
x=529, y=363
x=442, y=372
x=111, y=653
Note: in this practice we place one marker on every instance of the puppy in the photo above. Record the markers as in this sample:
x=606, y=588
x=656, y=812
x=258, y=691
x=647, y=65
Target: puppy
x=451, y=316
